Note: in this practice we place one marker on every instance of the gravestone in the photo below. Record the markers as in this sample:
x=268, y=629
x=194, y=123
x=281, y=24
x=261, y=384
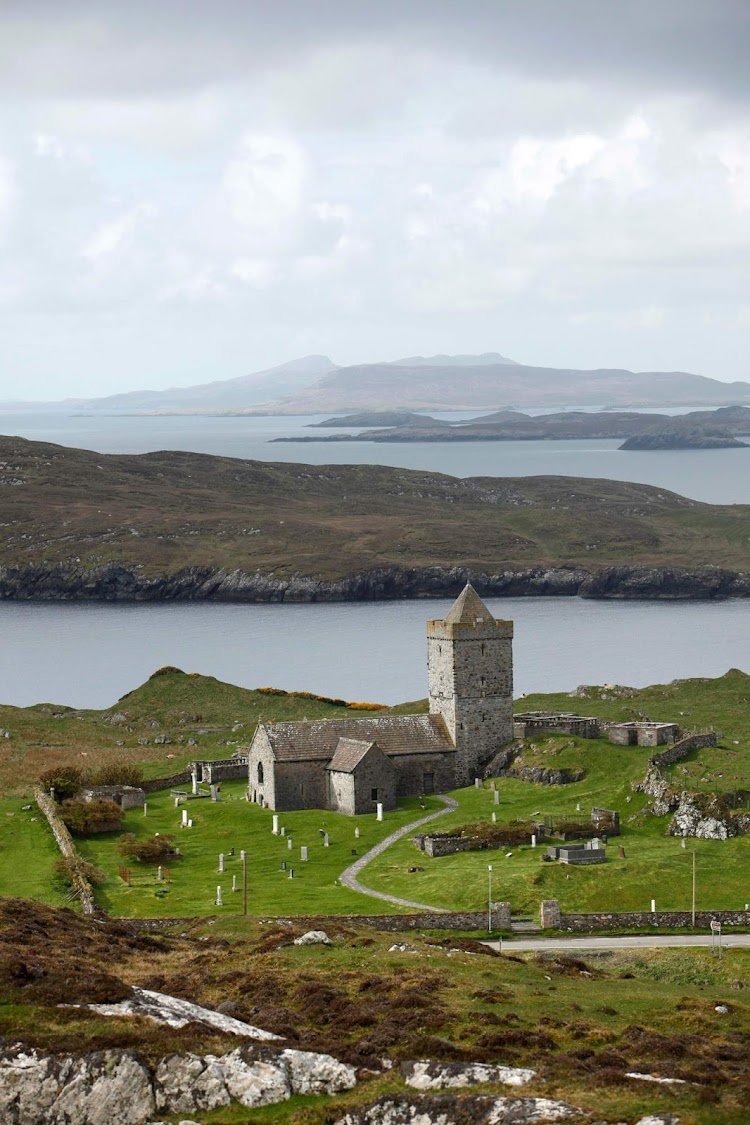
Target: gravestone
x=289, y=842
x=283, y=865
x=356, y=833
x=621, y=851
x=218, y=897
x=477, y=783
x=379, y=813
x=326, y=841
x=221, y=862
x=533, y=840
x=275, y=828
x=184, y=818
x=159, y=873
x=145, y=808
x=494, y=818
x=190, y=823
x=291, y=872
x=234, y=882
x=303, y=854
x=497, y=797
x=282, y=830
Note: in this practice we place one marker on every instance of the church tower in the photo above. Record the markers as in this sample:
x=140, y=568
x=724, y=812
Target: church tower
x=470, y=672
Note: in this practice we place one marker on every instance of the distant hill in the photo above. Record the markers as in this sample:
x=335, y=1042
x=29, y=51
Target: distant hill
x=486, y=359
x=186, y=526
x=498, y=386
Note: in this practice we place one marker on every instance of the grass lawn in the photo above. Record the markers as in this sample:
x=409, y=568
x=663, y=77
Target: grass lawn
x=233, y=823
x=655, y=865
x=28, y=853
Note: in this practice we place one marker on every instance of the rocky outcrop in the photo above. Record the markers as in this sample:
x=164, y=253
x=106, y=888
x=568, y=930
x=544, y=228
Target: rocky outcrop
x=707, y=817
x=447, y=1109
x=655, y=785
x=117, y=582
x=429, y=1075
x=173, y=1012
x=543, y=775
x=110, y=1086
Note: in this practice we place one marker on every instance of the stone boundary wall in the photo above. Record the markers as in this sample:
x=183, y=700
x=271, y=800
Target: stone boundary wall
x=391, y=923
x=81, y=885
x=154, y=783
x=666, y=919
x=682, y=748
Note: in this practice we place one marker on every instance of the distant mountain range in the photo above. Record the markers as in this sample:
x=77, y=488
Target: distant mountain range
x=315, y=384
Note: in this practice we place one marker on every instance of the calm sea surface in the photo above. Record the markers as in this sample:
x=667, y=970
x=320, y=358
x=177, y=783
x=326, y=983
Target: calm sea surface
x=88, y=655
x=719, y=476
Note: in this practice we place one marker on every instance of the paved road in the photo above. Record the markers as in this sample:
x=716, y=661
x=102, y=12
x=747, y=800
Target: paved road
x=642, y=941
x=349, y=877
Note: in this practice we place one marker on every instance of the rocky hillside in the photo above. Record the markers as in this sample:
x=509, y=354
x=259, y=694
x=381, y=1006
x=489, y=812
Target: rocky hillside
x=172, y=525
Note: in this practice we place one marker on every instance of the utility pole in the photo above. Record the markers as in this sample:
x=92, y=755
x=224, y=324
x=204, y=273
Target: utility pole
x=693, y=888
x=489, y=899
x=243, y=857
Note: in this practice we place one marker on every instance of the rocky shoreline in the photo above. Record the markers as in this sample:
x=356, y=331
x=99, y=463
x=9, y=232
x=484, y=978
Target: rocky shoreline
x=115, y=582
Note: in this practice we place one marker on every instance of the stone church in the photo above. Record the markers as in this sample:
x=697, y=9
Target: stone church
x=352, y=765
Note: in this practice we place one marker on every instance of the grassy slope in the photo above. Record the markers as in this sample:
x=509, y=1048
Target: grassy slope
x=164, y=511
x=28, y=853
x=233, y=823
x=174, y=705
x=581, y=1025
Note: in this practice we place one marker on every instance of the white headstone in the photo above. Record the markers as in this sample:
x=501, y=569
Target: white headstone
x=184, y=818
x=218, y=897
x=159, y=874
x=497, y=796
x=477, y=783
x=275, y=828
x=289, y=842
x=177, y=802
x=282, y=830
x=380, y=811
x=190, y=823
x=326, y=841
x=533, y=840
x=221, y=861
x=194, y=779
x=494, y=818
x=684, y=842
x=653, y=906
x=578, y=807
x=234, y=882
x=356, y=833
x=291, y=872
x=145, y=808
x=303, y=854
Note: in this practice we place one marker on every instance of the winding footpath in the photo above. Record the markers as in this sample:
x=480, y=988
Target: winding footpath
x=349, y=878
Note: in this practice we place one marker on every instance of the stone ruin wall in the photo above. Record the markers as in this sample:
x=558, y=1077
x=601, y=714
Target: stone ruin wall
x=682, y=748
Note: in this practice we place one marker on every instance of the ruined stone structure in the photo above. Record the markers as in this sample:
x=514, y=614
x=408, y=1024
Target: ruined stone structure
x=352, y=765
x=642, y=733
x=529, y=723
x=126, y=796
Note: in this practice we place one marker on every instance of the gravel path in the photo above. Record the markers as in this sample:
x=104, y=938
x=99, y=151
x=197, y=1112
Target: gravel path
x=349, y=877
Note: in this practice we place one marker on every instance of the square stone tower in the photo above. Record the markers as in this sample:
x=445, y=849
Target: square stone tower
x=470, y=672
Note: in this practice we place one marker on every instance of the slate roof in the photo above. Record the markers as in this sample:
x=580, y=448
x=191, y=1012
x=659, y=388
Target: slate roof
x=394, y=734
x=468, y=608
x=348, y=754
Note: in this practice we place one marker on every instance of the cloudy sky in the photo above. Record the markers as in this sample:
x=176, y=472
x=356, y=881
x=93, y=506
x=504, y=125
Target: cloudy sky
x=196, y=189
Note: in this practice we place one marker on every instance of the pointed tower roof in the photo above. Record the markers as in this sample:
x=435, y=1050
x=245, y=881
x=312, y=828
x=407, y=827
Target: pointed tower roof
x=468, y=608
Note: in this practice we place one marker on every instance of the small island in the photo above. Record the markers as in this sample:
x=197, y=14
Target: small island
x=680, y=438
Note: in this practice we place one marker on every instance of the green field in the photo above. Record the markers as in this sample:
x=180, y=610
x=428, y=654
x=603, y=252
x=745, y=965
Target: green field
x=234, y=823
x=27, y=854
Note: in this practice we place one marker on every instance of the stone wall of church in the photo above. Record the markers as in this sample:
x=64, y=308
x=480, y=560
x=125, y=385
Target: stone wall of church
x=424, y=773
x=372, y=782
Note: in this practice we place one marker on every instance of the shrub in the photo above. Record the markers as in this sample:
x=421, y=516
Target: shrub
x=151, y=850
x=167, y=670
x=84, y=818
x=116, y=773
x=65, y=780
x=68, y=869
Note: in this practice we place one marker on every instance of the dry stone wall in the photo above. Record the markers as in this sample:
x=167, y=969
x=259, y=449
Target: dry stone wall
x=682, y=748
x=80, y=884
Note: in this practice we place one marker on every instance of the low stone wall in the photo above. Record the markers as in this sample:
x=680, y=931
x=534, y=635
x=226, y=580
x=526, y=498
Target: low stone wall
x=553, y=918
x=81, y=885
x=682, y=748
x=155, y=783
x=390, y=923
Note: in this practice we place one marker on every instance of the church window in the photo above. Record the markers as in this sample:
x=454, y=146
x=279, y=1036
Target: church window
x=260, y=773
x=374, y=794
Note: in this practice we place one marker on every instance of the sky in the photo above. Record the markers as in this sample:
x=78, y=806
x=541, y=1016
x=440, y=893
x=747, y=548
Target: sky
x=195, y=190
